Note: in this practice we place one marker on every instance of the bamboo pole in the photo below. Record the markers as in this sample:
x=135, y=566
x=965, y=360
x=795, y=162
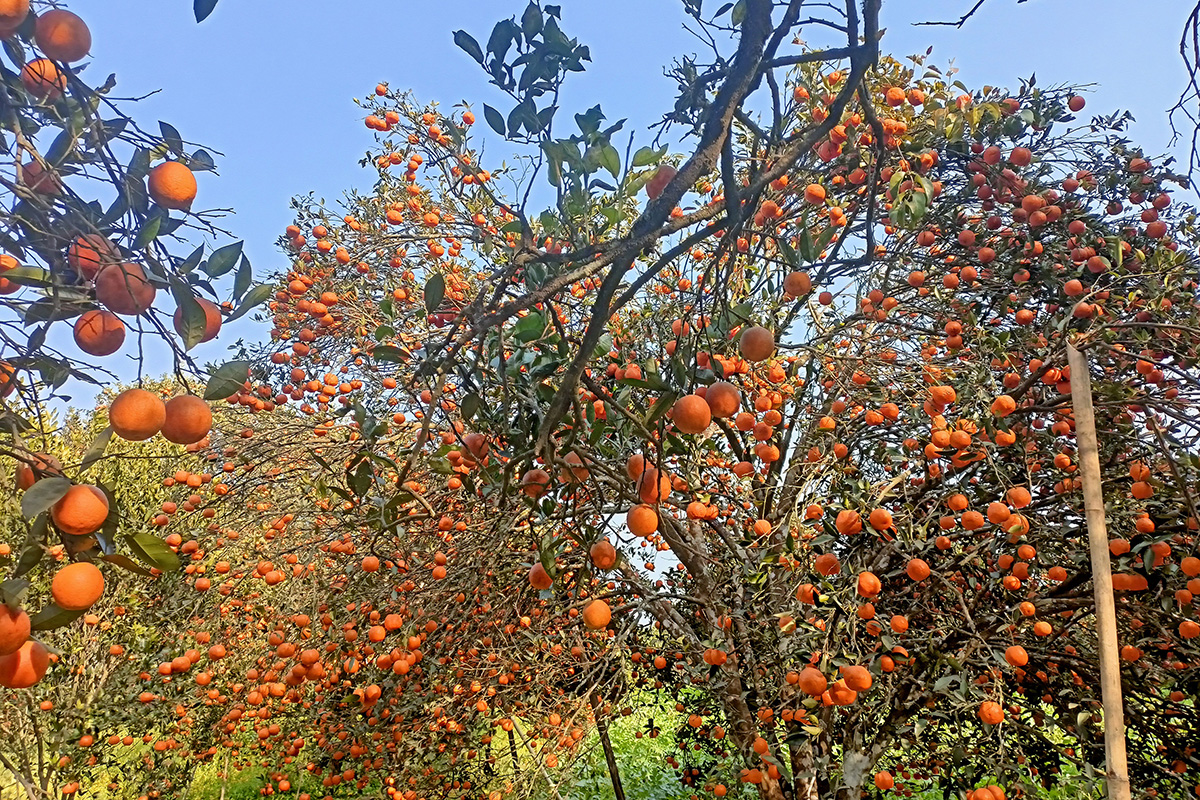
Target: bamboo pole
x=1106, y=612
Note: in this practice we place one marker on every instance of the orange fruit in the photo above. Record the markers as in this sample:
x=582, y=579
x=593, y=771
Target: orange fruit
x=539, y=578
x=43, y=79
x=812, y=681
x=1016, y=656
x=62, y=35
x=597, y=615
x=797, y=284
x=188, y=419
x=691, y=414
x=25, y=667
x=7, y=262
x=868, y=586
x=723, y=399
x=603, y=554
x=848, y=522
x=44, y=464
x=77, y=586
x=884, y=780
x=124, y=289
x=642, y=520
x=81, y=511
x=136, y=414
x=212, y=320
x=880, y=519
x=13, y=13
x=172, y=185
x=756, y=343
x=857, y=678
x=991, y=713
x=90, y=252
x=99, y=332
x=917, y=569
x=40, y=180
x=14, y=629
x=535, y=482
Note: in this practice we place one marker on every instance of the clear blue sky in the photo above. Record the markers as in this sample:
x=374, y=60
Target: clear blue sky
x=270, y=83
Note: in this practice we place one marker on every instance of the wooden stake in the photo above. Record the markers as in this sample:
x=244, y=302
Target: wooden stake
x=1106, y=611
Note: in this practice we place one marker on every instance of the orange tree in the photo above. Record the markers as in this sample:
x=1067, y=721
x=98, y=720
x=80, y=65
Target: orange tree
x=781, y=455
x=92, y=221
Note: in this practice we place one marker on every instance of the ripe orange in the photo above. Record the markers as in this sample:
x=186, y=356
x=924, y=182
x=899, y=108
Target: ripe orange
x=848, y=521
x=917, y=569
x=723, y=399
x=691, y=414
x=90, y=252
x=642, y=520
x=539, y=578
x=172, y=185
x=188, y=419
x=45, y=465
x=991, y=713
x=880, y=519
x=597, y=615
x=77, y=586
x=797, y=284
x=868, y=586
x=25, y=667
x=212, y=320
x=756, y=343
x=136, y=414
x=124, y=289
x=40, y=180
x=62, y=35
x=99, y=332
x=43, y=79
x=812, y=681
x=857, y=678
x=14, y=629
x=12, y=14
x=603, y=554
x=81, y=511
x=1016, y=656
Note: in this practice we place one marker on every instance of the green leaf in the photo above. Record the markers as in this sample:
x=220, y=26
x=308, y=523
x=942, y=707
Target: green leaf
x=30, y=276
x=32, y=552
x=223, y=259
x=193, y=319
x=171, y=137
x=470, y=405
x=61, y=146
x=494, y=118
x=610, y=159
x=226, y=380
x=203, y=8
x=646, y=156
x=151, y=550
x=12, y=592
x=529, y=327
x=531, y=21
x=52, y=617
x=739, y=13
x=191, y=262
x=241, y=281
x=468, y=44
x=148, y=232
x=125, y=562
x=387, y=352
x=97, y=448
x=255, y=297
x=435, y=292
x=43, y=494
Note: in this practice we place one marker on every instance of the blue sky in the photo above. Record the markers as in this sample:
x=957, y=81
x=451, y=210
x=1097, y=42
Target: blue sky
x=270, y=83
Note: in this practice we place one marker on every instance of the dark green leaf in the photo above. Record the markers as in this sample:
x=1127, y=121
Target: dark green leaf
x=223, y=259
x=435, y=292
x=386, y=352
x=97, y=448
x=12, y=592
x=32, y=552
x=193, y=319
x=494, y=119
x=203, y=8
x=468, y=44
x=43, y=494
x=226, y=380
x=646, y=156
x=30, y=276
x=470, y=405
x=531, y=21
x=52, y=617
x=171, y=137
x=241, y=280
x=192, y=261
x=151, y=550
x=255, y=297
x=125, y=562
x=148, y=232
x=201, y=161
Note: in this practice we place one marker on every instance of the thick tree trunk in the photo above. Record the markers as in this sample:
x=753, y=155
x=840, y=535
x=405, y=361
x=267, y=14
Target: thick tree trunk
x=610, y=758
